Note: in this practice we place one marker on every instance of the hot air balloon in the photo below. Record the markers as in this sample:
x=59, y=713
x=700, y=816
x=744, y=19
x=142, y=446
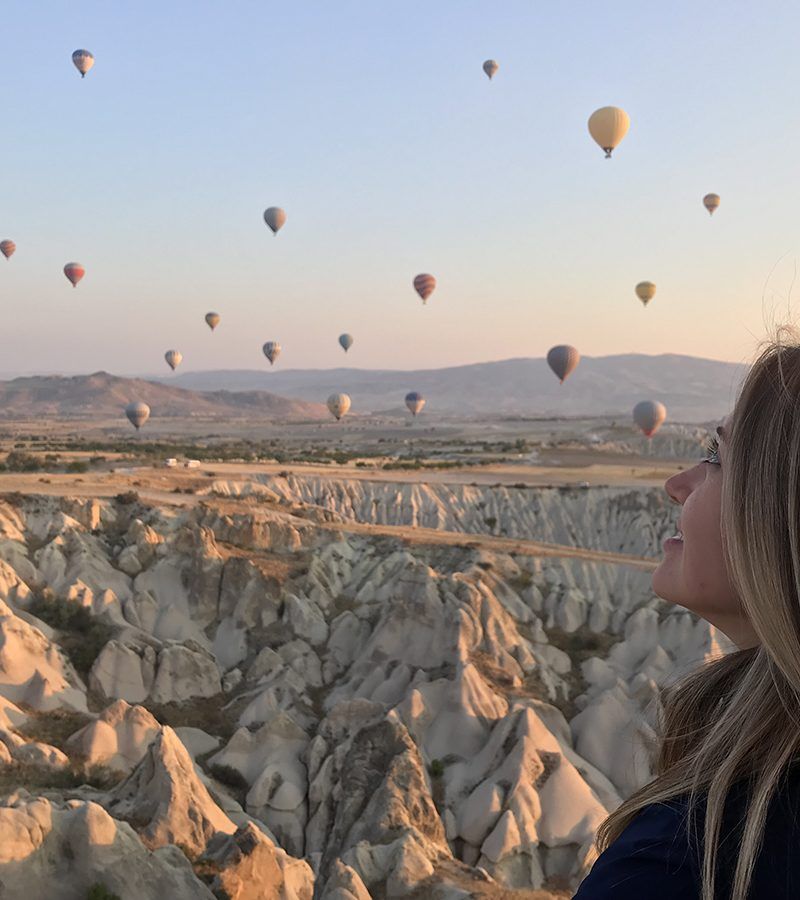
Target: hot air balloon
x=338, y=404
x=711, y=202
x=649, y=415
x=346, y=340
x=137, y=413
x=272, y=350
x=275, y=217
x=563, y=359
x=74, y=272
x=415, y=401
x=490, y=67
x=83, y=61
x=608, y=126
x=645, y=291
x=212, y=320
x=173, y=358
x=7, y=248
x=424, y=285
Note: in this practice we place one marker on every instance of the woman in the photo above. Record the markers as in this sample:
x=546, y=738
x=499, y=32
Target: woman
x=721, y=819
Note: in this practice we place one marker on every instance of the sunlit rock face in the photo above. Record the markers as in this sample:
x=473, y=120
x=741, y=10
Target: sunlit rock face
x=50, y=848
x=305, y=711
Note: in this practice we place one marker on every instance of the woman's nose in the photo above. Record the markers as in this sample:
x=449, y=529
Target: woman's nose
x=679, y=485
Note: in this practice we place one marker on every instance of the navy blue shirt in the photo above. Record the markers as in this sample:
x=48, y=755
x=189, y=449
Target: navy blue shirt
x=652, y=857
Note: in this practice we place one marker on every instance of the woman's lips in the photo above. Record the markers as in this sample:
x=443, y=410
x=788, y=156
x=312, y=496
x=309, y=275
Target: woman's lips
x=675, y=541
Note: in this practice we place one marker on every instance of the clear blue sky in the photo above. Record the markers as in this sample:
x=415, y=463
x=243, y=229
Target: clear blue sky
x=374, y=126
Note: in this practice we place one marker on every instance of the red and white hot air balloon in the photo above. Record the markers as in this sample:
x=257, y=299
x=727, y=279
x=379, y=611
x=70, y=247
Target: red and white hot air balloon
x=649, y=415
x=74, y=272
x=7, y=248
x=424, y=285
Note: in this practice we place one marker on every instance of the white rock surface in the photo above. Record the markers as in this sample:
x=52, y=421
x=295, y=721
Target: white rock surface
x=166, y=799
x=33, y=670
x=398, y=706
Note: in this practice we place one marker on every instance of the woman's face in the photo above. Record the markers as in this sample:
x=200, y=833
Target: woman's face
x=692, y=573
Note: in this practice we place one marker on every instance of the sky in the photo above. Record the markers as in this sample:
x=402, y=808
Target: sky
x=373, y=125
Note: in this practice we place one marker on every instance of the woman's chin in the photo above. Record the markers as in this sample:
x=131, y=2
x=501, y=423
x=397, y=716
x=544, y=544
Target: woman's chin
x=663, y=580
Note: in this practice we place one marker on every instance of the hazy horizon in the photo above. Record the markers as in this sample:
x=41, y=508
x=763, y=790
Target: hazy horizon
x=392, y=153
x=168, y=376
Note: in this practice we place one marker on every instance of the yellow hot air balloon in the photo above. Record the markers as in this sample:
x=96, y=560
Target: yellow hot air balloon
x=645, y=291
x=711, y=202
x=608, y=126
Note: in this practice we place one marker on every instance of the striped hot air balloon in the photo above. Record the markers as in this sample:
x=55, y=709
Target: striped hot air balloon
x=649, y=415
x=338, y=404
x=7, y=248
x=138, y=413
x=272, y=350
x=415, y=401
x=424, y=285
x=83, y=61
x=173, y=358
x=563, y=360
x=275, y=217
x=74, y=272
x=212, y=320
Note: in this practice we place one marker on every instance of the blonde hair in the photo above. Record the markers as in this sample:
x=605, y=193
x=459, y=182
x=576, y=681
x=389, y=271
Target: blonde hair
x=736, y=717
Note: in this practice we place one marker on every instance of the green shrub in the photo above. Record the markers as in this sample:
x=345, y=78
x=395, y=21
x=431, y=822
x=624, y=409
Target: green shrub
x=522, y=580
x=436, y=768
x=99, y=891
x=18, y=461
x=77, y=465
x=127, y=498
x=490, y=521
x=84, y=635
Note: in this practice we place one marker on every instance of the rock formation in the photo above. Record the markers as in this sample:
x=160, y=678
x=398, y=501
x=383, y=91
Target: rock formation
x=292, y=710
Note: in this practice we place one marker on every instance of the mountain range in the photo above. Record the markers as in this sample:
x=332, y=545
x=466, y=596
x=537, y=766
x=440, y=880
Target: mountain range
x=693, y=389
x=101, y=394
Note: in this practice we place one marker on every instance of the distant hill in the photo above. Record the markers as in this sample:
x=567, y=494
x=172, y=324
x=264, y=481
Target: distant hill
x=692, y=389
x=101, y=394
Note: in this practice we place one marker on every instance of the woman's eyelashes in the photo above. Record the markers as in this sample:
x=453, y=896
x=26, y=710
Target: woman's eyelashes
x=712, y=451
